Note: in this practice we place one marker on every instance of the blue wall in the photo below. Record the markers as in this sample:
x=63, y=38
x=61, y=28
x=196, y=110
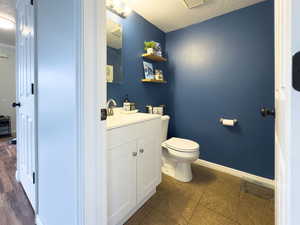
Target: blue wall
x=224, y=67
x=136, y=30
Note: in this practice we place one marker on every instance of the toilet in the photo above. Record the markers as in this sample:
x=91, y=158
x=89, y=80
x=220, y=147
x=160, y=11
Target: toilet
x=177, y=154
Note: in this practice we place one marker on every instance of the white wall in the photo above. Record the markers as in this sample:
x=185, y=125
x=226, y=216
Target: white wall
x=57, y=111
x=8, y=83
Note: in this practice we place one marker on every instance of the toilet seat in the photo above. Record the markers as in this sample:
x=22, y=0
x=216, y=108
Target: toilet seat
x=182, y=145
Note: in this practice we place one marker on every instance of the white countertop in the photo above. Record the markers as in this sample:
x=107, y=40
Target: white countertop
x=121, y=120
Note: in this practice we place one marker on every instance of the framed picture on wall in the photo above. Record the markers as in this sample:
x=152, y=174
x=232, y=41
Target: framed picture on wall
x=148, y=70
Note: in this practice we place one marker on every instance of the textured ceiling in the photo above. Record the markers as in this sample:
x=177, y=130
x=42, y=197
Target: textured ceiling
x=7, y=10
x=170, y=15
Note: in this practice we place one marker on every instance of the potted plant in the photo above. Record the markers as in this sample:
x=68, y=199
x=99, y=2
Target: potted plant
x=149, y=46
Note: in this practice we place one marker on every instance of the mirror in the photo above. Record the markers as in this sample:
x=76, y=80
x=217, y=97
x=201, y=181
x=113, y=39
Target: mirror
x=114, y=52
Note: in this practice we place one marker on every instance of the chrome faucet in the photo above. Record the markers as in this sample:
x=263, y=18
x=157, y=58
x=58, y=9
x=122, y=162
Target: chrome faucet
x=110, y=105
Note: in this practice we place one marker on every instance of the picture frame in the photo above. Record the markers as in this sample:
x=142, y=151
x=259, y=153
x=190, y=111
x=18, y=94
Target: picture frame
x=148, y=70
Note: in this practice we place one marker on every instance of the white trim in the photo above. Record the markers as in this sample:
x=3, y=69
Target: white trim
x=79, y=98
x=7, y=46
x=92, y=155
x=38, y=220
x=283, y=106
x=247, y=176
x=17, y=176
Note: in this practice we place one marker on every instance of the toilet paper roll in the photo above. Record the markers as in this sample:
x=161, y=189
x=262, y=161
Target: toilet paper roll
x=229, y=123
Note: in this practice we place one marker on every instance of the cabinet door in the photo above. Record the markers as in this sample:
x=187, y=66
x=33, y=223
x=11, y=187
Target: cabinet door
x=121, y=181
x=148, y=165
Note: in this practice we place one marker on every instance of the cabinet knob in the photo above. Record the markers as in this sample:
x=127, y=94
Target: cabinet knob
x=141, y=150
x=134, y=154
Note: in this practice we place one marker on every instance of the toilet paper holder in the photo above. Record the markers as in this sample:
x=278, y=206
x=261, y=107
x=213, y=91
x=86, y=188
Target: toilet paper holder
x=235, y=121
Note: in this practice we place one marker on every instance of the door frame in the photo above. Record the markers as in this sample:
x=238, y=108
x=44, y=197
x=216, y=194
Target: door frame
x=92, y=154
x=286, y=157
x=17, y=174
x=282, y=46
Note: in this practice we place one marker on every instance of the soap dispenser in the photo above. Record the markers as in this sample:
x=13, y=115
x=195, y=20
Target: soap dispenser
x=126, y=104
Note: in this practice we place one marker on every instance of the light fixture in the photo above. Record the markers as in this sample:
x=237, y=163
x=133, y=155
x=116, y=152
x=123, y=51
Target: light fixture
x=127, y=10
x=6, y=24
x=190, y=4
x=118, y=7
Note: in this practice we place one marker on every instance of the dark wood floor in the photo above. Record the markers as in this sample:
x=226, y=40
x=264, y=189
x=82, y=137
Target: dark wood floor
x=14, y=206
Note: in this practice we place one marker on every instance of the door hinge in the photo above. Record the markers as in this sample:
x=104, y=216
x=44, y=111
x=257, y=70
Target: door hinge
x=32, y=88
x=103, y=114
x=33, y=177
x=31, y=2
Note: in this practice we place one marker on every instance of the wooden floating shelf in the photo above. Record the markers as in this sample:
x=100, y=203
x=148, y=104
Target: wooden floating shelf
x=153, y=81
x=154, y=57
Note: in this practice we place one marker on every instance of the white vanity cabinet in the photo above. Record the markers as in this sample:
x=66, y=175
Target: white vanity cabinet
x=134, y=162
x=121, y=181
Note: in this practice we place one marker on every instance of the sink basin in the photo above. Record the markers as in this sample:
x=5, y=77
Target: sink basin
x=120, y=120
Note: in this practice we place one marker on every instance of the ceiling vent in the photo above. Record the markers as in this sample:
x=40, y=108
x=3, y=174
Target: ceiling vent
x=193, y=3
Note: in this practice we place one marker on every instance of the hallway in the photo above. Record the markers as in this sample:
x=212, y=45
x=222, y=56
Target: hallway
x=14, y=206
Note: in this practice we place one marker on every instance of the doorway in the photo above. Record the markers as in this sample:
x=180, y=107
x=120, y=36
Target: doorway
x=216, y=70
x=18, y=200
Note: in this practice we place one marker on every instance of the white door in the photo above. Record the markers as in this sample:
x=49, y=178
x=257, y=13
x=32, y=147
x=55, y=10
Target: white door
x=148, y=170
x=26, y=145
x=121, y=181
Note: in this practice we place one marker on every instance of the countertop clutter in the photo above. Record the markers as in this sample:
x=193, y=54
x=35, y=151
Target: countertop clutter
x=120, y=119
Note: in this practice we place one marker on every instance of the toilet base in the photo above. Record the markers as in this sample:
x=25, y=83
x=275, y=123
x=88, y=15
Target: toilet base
x=181, y=171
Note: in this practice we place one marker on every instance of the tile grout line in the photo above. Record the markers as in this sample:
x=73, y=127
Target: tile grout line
x=238, y=209
x=147, y=214
x=232, y=220
x=198, y=203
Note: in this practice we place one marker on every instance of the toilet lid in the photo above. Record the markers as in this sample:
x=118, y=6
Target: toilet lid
x=183, y=145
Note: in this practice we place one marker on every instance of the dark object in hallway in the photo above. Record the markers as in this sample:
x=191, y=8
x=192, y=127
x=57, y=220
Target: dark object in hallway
x=5, y=127
x=15, y=209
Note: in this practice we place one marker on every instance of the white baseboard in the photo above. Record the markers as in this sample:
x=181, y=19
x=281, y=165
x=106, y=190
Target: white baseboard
x=247, y=176
x=38, y=220
x=17, y=175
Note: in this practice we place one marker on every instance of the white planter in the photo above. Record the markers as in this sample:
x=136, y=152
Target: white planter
x=150, y=51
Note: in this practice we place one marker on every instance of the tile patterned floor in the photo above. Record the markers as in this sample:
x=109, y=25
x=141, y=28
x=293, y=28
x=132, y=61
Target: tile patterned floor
x=212, y=198
x=14, y=206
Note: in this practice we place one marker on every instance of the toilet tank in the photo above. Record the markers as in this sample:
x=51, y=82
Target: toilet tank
x=165, y=126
